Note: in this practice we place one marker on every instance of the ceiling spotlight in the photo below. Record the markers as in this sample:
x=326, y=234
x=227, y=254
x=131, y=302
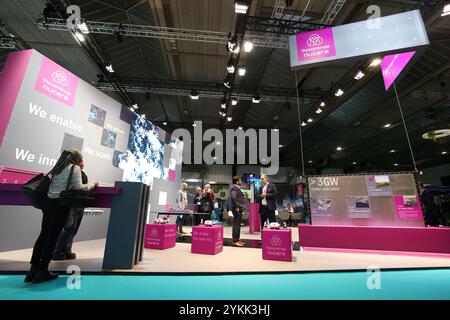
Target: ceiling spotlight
x=241, y=71
x=375, y=62
x=194, y=124
x=303, y=124
x=392, y=151
x=319, y=111
x=223, y=104
x=395, y=164
x=240, y=128
x=229, y=119
x=240, y=7
x=248, y=46
x=354, y=162
x=276, y=129
x=446, y=10
x=310, y=120
x=234, y=101
x=222, y=114
x=143, y=115
x=280, y=146
x=339, y=93
x=110, y=68
x=194, y=95
x=165, y=123
x=131, y=109
x=230, y=66
x=310, y=161
x=83, y=27
x=444, y=152
x=79, y=36
x=322, y=104
x=339, y=148
x=256, y=99
x=359, y=75
x=387, y=125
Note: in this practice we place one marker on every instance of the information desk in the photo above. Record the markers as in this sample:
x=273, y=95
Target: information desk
x=13, y=195
x=411, y=239
x=126, y=228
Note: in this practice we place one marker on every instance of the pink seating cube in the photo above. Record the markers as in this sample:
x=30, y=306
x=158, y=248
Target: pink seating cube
x=160, y=236
x=207, y=240
x=277, y=244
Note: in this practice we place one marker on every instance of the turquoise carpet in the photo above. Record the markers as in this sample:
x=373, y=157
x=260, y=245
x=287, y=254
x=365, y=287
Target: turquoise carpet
x=408, y=284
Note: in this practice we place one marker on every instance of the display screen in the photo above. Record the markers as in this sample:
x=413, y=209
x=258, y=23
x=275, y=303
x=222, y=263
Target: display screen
x=365, y=200
x=143, y=161
x=153, y=157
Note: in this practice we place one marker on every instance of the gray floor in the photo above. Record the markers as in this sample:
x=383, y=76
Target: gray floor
x=179, y=260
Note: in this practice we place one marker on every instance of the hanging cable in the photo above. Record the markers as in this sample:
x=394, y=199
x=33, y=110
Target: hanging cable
x=300, y=125
x=404, y=125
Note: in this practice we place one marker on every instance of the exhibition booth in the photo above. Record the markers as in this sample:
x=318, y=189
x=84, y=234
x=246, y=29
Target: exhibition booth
x=353, y=220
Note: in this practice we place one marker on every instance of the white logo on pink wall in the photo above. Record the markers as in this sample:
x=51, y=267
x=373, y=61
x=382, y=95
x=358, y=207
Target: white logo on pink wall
x=56, y=82
x=314, y=40
x=60, y=78
x=317, y=44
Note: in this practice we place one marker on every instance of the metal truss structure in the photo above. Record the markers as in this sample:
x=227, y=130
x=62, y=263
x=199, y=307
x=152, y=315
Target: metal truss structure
x=254, y=24
x=333, y=10
x=211, y=90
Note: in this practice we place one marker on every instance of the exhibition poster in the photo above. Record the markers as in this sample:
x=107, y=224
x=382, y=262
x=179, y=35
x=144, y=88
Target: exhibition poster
x=408, y=207
x=379, y=186
x=358, y=207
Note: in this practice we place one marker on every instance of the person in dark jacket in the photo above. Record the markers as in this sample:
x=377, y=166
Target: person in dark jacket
x=198, y=203
x=236, y=202
x=207, y=202
x=431, y=210
x=54, y=215
x=268, y=202
x=63, y=249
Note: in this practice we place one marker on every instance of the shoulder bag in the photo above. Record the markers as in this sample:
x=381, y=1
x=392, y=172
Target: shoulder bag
x=36, y=189
x=70, y=198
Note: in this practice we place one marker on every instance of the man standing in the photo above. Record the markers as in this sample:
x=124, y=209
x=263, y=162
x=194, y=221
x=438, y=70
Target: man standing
x=268, y=202
x=237, y=206
x=181, y=204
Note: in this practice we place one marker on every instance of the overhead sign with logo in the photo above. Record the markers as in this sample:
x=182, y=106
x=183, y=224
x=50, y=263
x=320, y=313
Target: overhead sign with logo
x=395, y=33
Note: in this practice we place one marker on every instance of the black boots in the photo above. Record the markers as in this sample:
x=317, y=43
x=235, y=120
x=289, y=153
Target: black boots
x=30, y=275
x=39, y=274
x=44, y=275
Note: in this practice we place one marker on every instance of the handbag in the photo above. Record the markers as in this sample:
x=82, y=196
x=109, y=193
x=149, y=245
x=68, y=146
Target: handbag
x=36, y=189
x=76, y=198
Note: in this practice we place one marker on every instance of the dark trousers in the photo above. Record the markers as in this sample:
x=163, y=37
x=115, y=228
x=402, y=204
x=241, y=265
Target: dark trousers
x=432, y=220
x=179, y=222
x=65, y=240
x=53, y=220
x=266, y=213
x=237, y=219
x=198, y=218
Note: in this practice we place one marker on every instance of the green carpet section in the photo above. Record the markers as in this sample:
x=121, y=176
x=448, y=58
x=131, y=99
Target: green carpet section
x=408, y=284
